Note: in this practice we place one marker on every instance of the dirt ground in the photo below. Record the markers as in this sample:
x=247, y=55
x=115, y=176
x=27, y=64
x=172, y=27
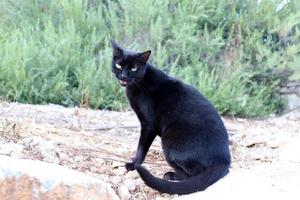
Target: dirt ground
x=99, y=142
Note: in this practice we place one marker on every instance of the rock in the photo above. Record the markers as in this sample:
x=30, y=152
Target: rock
x=39, y=145
x=132, y=175
x=130, y=185
x=79, y=158
x=63, y=156
x=27, y=179
x=261, y=181
x=291, y=91
x=124, y=192
x=12, y=149
x=100, y=161
x=120, y=171
x=278, y=142
x=17, y=152
x=292, y=101
x=115, y=179
x=290, y=152
x=116, y=164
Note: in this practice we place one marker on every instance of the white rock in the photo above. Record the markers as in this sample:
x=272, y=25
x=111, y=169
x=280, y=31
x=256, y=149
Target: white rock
x=6, y=148
x=123, y=192
x=48, y=181
x=120, y=171
x=132, y=174
x=265, y=181
x=116, y=179
x=116, y=164
x=130, y=185
x=93, y=169
x=79, y=158
x=42, y=146
x=100, y=161
x=63, y=156
x=11, y=149
x=17, y=152
x=290, y=152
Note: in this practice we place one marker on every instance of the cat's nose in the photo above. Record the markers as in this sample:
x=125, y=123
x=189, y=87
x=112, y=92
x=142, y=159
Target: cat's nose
x=123, y=74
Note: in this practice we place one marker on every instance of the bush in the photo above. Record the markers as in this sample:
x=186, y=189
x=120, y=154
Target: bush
x=58, y=51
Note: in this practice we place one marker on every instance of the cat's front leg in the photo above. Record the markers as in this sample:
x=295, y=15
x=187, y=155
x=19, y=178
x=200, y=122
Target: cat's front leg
x=146, y=138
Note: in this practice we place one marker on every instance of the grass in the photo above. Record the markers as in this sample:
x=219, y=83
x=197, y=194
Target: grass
x=58, y=51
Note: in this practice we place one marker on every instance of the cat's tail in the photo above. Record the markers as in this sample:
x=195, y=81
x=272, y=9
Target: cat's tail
x=193, y=184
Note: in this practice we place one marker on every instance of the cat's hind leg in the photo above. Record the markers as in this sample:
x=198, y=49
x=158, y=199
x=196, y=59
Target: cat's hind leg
x=178, y=175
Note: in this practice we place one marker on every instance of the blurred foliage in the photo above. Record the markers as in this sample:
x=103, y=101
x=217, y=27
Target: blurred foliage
x=236, y=52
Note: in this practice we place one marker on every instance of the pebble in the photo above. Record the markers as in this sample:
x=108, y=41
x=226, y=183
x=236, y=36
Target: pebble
x=120, y=171
x=115, y=179
x=100, y=161
x=116, y=164
x=79, y=158
x=132, y=175
x=93, y=169
x=130, y=185
x=39, y=145
x=124, y=192
x=17, y=152
x=63, y=156
x=11, y=148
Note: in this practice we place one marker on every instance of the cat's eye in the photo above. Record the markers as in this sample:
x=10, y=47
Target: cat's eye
x=118, y=66
x=134, y=69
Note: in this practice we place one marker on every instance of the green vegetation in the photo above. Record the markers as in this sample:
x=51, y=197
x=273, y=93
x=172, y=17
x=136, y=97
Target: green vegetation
x=58, y=51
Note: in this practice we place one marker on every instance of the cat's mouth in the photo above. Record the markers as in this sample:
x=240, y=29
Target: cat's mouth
x=123, y=83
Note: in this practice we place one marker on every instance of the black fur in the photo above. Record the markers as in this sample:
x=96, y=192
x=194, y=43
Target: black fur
x=193, y=136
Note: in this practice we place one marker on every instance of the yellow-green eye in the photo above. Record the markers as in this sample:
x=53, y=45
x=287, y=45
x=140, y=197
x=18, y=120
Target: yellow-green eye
x=134, y=69
x=118, y=66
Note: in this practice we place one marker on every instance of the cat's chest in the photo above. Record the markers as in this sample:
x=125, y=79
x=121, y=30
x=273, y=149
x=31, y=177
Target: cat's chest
x=138, y=99
x=140, y=102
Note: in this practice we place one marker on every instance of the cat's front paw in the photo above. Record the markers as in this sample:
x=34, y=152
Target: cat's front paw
x=130, y=166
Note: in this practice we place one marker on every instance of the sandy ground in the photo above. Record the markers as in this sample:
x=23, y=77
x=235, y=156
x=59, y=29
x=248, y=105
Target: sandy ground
x=100, y=142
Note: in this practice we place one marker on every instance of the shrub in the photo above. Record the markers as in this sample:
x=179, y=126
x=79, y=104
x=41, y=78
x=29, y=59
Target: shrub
x=58, y=51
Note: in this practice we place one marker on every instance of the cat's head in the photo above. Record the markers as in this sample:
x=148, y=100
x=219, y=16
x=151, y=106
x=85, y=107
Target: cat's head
x=129, y=67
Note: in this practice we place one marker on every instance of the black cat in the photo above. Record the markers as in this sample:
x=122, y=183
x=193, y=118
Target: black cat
x=193, y=136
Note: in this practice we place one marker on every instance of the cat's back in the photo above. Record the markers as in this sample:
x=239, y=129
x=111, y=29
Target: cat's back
x=178, y=95
x=178, y=102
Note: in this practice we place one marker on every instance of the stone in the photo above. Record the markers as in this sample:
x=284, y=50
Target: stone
x=79, y=158
x=120, y=171
x=11, y=148
x=116, y=164
x=47, y=149
x=115, y=179
x=27, y=180
x=124, y=192
x=63, y=156
x=132, y=175
x=130, y=185
x=264, y=181
x=100, y=161
x=17, y=152
x=291, y=92
x=293, y=101
x=290, y=152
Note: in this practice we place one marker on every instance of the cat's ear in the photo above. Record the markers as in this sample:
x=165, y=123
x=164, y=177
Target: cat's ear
x=117, y=50
x=143, y=57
